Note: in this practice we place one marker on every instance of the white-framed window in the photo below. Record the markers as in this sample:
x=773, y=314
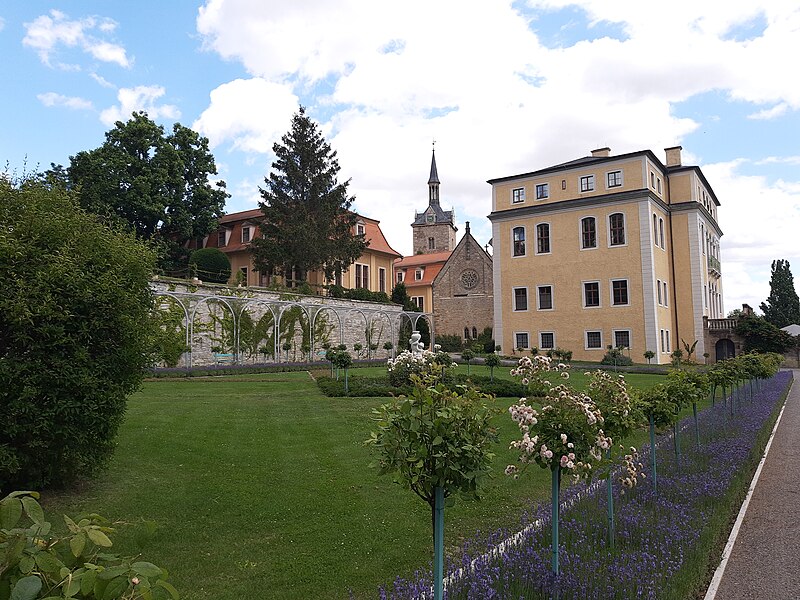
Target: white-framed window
x=594, y=340
x=591, y=294
x=666, y=295
x=588, y=233
x=547, y=340
x=419, y=274
x=663, y=346
x=616, y=229
x=669, y=348
x=658, y=287
x=658, y=184
x=543, y=238
x=222, y=238
x=655, y=229
x=362, y=276
x=587, y=183
x=652, y=180
x=360, y=230
x=521, y=340
x=614, y=179
x=245, y=234
x=419, y=302
x=544, y=296
x=381, y=279
x=622, y=338
x=619, y=292
x=400, y=276
x=518, y=195
x=542, y=191
x=661, y=233
x=518, y=237
x=520, y=299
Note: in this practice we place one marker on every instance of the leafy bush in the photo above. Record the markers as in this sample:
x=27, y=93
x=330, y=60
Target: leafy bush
x=449, y=343
x=76, y=334
x=40, y=564
x=337, y=291
x=210, y=264
x=614, y=356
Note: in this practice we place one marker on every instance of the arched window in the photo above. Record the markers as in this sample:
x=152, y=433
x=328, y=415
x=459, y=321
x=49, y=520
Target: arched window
x=431, y=243
x=588, y=232
x=466, y=333
x=616, y=229
x=519, y=241
x=474, y=333
x=543, y=238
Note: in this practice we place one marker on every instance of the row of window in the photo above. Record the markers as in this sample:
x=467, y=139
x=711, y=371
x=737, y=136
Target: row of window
x=593, y=340
x=362, y=277
x=222, y=236
x=588, y=235
x=586, y=183
x=658, y=231
x=663, y=297
x=618, y=295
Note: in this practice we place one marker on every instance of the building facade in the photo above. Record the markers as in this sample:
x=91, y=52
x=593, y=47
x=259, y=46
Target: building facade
x=605, y=250
x=372, y=270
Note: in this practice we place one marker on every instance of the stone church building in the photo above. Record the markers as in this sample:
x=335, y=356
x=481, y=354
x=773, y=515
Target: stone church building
x=452, y=281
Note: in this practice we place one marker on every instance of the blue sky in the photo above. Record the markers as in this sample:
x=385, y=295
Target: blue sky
x=503, y=87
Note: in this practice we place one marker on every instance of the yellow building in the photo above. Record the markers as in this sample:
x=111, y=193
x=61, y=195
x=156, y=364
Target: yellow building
x=605, y=251
x=372, y=270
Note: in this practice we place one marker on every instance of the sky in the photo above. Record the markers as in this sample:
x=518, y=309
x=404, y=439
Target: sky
x=502, y=87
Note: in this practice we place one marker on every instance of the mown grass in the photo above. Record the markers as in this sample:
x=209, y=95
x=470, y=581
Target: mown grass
x=261, y=489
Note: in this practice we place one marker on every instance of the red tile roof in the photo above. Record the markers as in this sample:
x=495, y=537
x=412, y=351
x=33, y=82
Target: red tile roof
x=423, y=259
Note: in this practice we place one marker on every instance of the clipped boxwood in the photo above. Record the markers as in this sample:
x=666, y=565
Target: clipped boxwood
x=210, y=264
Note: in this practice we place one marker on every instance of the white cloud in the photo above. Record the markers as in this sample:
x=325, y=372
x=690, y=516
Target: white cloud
x=102, y=80
x=73, y=102
x=770, y=113
x=139, y=98
x=251, y=114
x=46, y=33
x=2, y=23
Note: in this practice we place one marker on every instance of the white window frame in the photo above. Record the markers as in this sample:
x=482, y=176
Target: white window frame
x=400, y=276
x=419, y=302
x=614, y=337
x=666, y=295
x=658, y=292
x=586, y=345
x=652, y=180
x=545, y=187
x=514, y=299
x=224, y=233
x=552, y=297
x=541, y=346
x=614, y=172
x=658, y=185
x=249, y=234
x=524, y=241
x=363, y=269
x=627, y=291
x=527, y=337
x=580, y=233
x=624, y=230
x=662, y=245
x=661, y=331
x=419, y=274
x=381, y=279
x=518, y=195
x=590, y=187
x=599, y=293
x=549, y=238
x=669, y=347
x=360, y=229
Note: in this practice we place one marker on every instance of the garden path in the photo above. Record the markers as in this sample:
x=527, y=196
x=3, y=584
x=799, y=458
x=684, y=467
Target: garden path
x=763, y=563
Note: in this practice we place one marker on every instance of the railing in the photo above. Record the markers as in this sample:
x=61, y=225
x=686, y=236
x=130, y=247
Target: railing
x=718, y=324
x=714, y=265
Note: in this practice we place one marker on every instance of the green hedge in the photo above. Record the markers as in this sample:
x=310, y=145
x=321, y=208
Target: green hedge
x=360, y=386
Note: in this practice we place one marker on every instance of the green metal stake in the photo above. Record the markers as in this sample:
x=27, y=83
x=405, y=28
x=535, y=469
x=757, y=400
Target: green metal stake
x=696, y=426
x=438, y=542
x=653, y=452
x=713, y=395
x=556, y=476
x=677, y=444
x=609, y=489
x=346, y=386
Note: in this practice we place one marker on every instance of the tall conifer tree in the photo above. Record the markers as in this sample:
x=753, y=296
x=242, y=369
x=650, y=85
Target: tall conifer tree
x=782, y=308
x=307, y=221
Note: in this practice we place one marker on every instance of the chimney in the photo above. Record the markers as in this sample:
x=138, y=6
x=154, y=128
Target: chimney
x=601, y=152
x=466, y=227
x=673, y=156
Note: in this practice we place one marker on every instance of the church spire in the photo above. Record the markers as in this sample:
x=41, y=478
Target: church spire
x=433, y=182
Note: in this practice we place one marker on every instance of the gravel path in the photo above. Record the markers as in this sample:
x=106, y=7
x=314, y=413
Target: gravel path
x=765, y=561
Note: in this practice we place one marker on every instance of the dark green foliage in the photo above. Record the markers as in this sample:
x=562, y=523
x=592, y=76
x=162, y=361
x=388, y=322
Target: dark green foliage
x=449, y=343
x=486, y=341
x=76, y=334
x=615, y=356
x=210, y=264
x=307, y=222
x=762, y=336
x=337, y=291
x=782, y=307
x=155, y=183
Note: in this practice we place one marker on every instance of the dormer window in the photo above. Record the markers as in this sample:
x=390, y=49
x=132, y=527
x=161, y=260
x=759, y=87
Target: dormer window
x=430, y=218
x=360, y=229
x=418, y=274
x=245, y=234
x=222, y=236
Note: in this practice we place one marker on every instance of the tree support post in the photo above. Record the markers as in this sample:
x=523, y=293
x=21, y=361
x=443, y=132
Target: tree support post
x=438, y=542
x=653, y=452
x=696, y=426
x=610, y=490
x=556, y=476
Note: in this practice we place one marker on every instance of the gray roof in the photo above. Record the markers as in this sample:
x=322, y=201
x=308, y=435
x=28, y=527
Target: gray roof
x=434, y=178
x=791, y=329
x=442, y=216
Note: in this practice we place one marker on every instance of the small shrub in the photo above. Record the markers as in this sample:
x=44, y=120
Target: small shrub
x=614, y=356
x=211, y=264
x=449, y=343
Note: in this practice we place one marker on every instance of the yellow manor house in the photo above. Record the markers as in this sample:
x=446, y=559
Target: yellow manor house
x=605, y=251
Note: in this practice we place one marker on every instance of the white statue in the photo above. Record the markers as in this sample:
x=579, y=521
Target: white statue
x=416, y=346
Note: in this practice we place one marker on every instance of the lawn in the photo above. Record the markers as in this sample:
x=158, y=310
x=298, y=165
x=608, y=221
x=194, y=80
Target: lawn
x=261, y=488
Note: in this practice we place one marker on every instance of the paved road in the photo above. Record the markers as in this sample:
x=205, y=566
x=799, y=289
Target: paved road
x=765, y=560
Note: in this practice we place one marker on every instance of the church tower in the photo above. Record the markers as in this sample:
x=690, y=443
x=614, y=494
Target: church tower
x=434, y=228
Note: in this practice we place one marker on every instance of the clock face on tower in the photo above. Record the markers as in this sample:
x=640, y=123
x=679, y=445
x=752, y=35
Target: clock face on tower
x=469, y=278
